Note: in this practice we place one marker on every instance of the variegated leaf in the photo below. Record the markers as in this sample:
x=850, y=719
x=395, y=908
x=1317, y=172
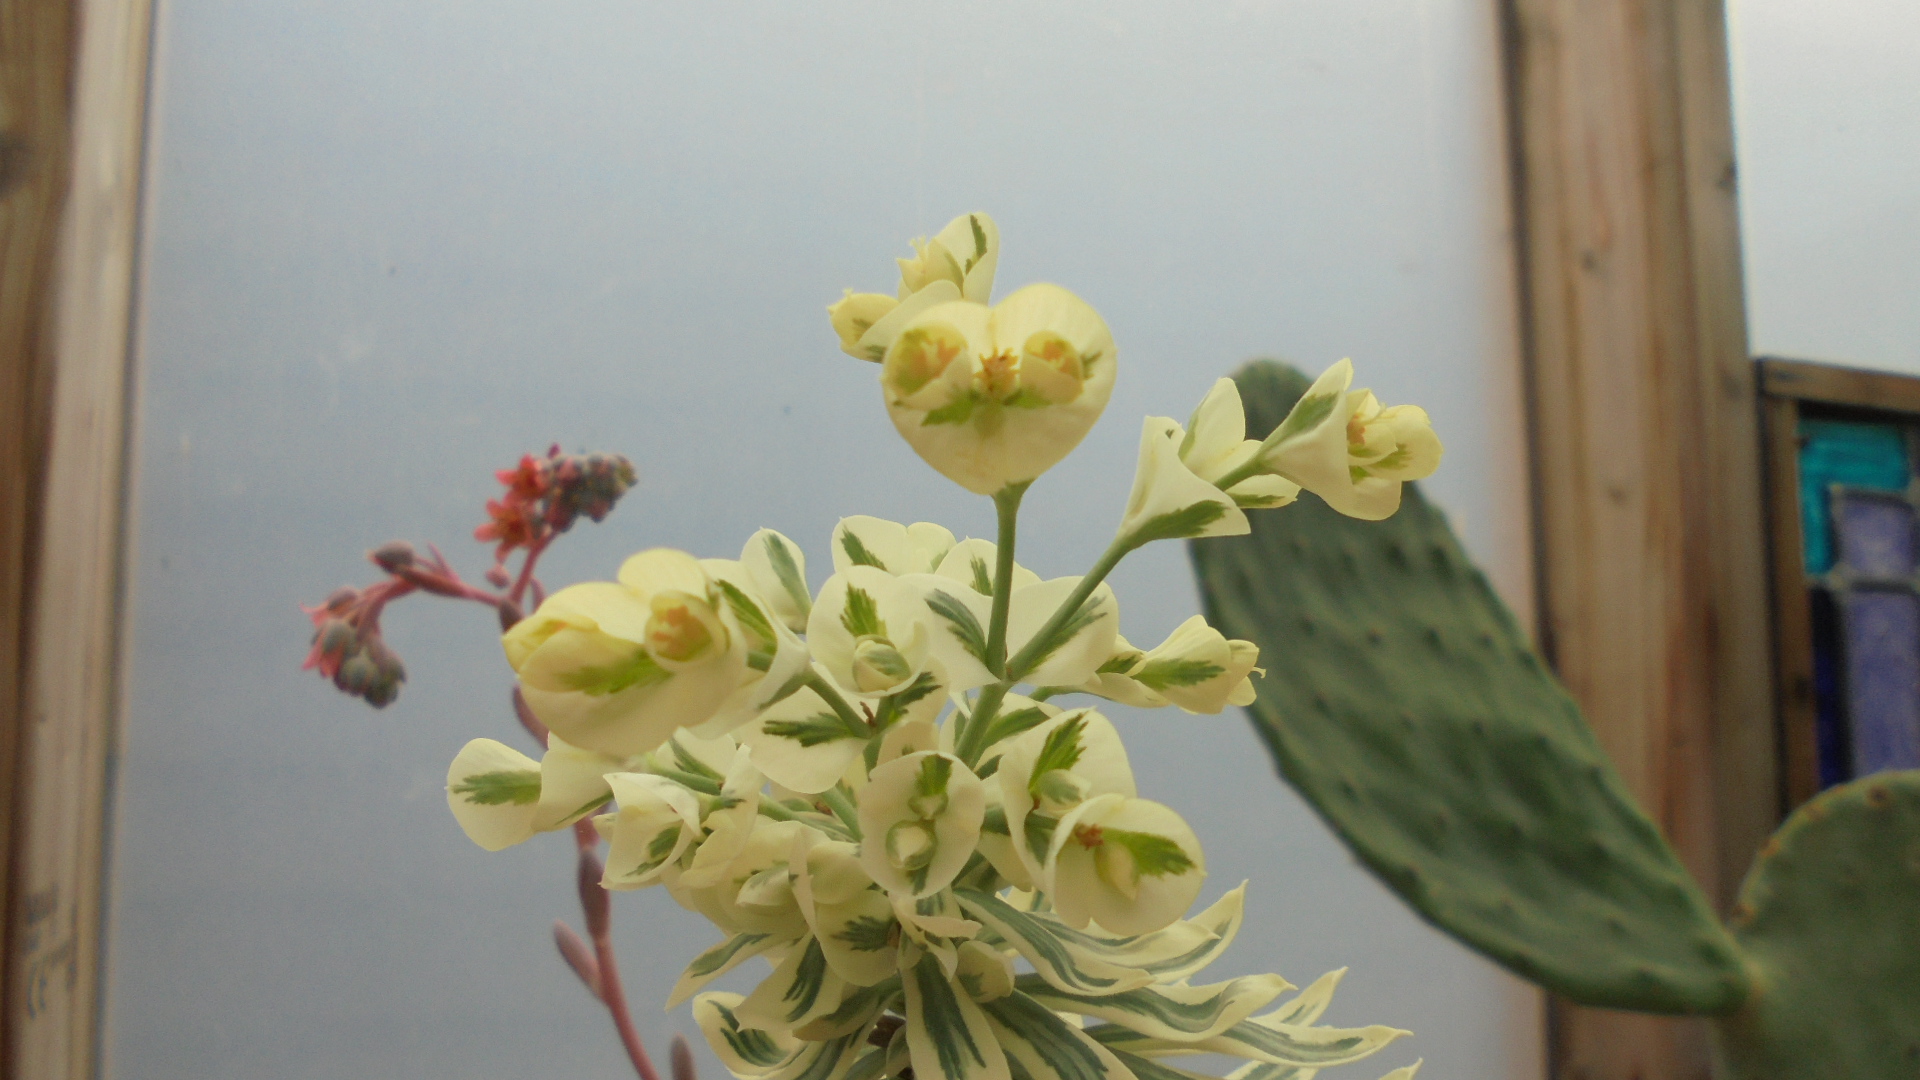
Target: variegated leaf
x=716, y=962
x=947, y=1034
x=1172, y=953
x=1168, y=1011
x=801, y=988
x=1275, y=1044
x=746, y=1051
x=1051, y=956
x=1043, y=1046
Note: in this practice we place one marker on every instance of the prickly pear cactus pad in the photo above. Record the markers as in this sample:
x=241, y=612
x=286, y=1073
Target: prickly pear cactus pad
x=1411, y=712
x=1829, y=918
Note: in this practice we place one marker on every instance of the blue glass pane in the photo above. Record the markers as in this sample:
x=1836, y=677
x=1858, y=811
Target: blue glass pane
x=1875, y=534
x=1842, y=452
x=1829, y=697
x=1883, y=679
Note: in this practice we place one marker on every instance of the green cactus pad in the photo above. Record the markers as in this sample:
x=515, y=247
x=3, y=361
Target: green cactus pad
x=1403, y=701
x=1829, y=918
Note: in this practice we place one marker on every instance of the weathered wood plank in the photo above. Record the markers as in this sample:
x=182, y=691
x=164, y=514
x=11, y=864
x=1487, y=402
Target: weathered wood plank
x=72, y=610
x=1653, y=564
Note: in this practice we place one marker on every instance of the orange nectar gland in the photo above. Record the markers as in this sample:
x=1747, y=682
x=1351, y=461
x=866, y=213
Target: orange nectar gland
x=1051, y=368
x=675, y=630
x=923, y=355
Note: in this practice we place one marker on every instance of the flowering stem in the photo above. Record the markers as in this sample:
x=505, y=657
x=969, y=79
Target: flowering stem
x=1006, y=503
x=831, y=695
x=595, y=906
x=1026, y=658
x=526, y=568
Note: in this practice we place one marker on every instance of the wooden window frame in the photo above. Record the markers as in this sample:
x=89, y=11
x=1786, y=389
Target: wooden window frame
x=1651, y=564
x=1786, y=388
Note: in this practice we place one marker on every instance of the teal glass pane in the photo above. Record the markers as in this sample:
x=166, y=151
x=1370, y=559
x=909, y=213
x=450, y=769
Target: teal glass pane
x=1843, y=452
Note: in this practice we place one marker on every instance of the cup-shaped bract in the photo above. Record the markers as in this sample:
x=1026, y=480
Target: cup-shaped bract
x=1343, y=446
x=920, y=818
x=957, y=264
x=889, y=545
x=618, y=666
x=1215, y=444
x=494, y=793
x=996, y=396
x=1131, y=865
x=1050, y=770
x=1197, y=668
x=1168, y=501
x=868, y=630
x=655, y=821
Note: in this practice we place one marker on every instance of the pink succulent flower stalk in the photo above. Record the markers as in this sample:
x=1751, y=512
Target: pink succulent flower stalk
x=543, y=499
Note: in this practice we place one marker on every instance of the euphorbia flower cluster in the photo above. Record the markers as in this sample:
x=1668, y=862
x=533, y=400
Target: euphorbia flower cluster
x=874, y=785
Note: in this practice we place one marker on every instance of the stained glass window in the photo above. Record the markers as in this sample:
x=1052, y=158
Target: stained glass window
x=1862, y=549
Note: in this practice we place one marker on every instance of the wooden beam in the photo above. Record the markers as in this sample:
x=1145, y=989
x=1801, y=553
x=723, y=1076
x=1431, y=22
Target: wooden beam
x=1646, y=458
x=74, y=99
x=1831, y=385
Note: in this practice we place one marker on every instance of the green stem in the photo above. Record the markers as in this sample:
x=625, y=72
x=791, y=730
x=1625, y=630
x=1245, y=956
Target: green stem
x=855, y=724
x=842, y=808
x=688, y=780
x=985, y=707
x=775, y=811
x=1026, y=658
x=1007, y=504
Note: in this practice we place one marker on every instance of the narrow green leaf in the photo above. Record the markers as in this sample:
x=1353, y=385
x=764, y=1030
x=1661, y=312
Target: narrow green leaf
x=752, y=619
x=815, y=730
x=960, y=623
x=1153, y=855
x=982, y=577
x=517, y=787
x=1062, y=750
x=862, y=616
x=1160, y=674
x=894, y=705
x=751, y=1044
x=640, y=669
x=934, y=774
x=788, y=571
x=1307, y=413
x=1087, y=615
x=857, y=552
x=1180, y=524
x=808, y=978
x=868, y=933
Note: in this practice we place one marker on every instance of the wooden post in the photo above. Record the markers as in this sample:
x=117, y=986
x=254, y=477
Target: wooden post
x=72, y=101
x=1653, y=571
